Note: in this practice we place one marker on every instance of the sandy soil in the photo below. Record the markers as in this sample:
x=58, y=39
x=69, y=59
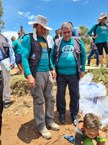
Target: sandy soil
x=19, y=125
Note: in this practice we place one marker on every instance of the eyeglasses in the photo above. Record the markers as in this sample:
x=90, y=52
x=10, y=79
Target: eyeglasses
x=68, y=32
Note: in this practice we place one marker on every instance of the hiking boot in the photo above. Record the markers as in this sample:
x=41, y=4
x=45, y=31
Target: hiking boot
x=62, y=118
x=54, y=126
x=45, y=133
x=74, y=120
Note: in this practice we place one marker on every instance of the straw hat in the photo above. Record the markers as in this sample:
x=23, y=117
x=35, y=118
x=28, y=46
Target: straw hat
x=42, y=21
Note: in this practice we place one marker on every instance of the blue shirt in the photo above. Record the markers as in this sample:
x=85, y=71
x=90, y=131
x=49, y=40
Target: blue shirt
x=43, y=65
x=16, y=46
x=67, y=63
x=101, y=32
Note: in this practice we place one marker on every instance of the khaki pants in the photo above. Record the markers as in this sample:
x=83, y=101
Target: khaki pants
x=43, y=100
x=6, y=79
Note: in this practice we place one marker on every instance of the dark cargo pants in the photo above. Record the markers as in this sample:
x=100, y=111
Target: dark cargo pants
x=73, y=85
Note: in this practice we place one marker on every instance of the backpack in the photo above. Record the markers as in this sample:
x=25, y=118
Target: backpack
x=4, y=47
x=77, y=52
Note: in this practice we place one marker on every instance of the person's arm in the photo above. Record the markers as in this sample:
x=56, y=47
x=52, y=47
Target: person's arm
x=78, y=137
x=101, y=139
x=52, y=56
x=83, y=59
x=90, y=32
x=26, y=48
x=52, y=61
x=12, y=57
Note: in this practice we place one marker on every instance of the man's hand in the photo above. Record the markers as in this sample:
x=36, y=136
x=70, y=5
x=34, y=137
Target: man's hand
x=81, y=74
x=31, y=81
x=12, y=66
x=94, y=36
x=53, y=72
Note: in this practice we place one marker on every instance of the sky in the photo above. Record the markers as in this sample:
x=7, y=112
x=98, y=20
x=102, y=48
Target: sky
x=80, y=12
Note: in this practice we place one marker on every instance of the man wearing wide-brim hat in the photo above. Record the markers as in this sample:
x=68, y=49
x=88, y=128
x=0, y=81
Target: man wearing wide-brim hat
x=100, y=33
x=37, y=68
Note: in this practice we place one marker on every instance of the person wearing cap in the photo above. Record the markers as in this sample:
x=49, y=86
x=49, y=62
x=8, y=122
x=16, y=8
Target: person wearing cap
x=101, y=36
x=41, y=81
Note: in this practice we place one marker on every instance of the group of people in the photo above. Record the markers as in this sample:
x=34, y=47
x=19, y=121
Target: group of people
x=65, y=62
x=41, y=67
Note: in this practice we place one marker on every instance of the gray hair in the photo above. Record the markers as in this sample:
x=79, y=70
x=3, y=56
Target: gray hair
x=66, y=25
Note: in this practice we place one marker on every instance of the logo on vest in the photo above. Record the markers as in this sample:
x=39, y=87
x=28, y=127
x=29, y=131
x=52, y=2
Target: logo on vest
x=67, y=49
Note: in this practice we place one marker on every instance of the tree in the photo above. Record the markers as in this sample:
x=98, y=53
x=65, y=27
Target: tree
x=84, y=34
x=1, y=14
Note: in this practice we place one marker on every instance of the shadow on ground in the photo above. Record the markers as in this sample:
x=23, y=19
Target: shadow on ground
x=27, y=132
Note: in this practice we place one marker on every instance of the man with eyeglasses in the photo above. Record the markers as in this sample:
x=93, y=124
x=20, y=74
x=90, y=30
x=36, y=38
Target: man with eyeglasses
x=67, y=72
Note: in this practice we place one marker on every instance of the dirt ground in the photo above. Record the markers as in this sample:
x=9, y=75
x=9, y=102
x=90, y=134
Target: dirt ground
x=19, y=125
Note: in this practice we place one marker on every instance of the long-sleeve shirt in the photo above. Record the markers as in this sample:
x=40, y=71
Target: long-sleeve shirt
x=43, y=65
x=101, y=32
x=16, y=46
x=67, y=64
